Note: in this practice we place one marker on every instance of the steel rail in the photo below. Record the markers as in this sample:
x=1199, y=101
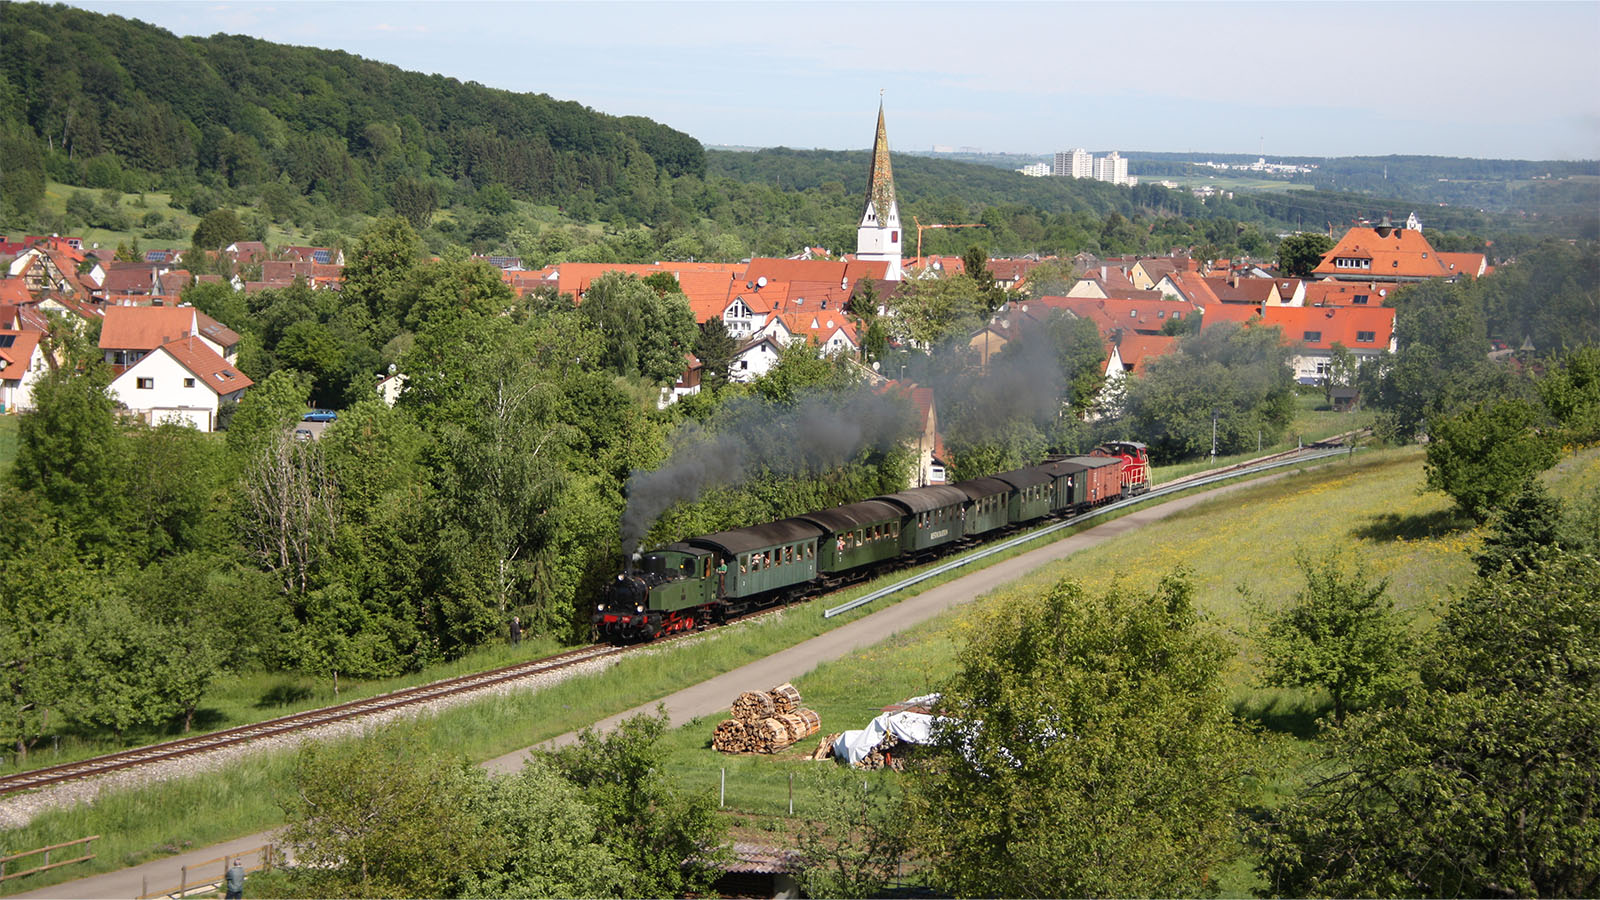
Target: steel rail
x=100, y=765
x=1165, y=490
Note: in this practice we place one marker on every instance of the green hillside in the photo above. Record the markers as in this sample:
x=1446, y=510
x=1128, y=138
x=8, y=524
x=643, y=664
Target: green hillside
x=118, y=103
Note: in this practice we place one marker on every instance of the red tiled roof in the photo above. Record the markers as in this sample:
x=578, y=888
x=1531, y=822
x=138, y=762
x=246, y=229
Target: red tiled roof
x=1138, y=349
x=1242, y=290
x=1333, y=324
x=14, y=290
x=145, y=327
x=1194, y=288
x=1229, y=312
x=212, y=370
x=835, y=271
x=217, y=332
x=15, y=358
x=1344, y=293
x=1470, y=264
x=1402, y=253
x=1132, y=315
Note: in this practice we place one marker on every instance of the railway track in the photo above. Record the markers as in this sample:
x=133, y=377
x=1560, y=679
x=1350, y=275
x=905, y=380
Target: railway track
x=100, y=765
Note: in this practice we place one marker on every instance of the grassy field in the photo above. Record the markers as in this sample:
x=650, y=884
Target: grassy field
x=1371, y=509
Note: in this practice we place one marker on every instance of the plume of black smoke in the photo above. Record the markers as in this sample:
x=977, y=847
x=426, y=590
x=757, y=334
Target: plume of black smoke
x=816, y=433
x=824, y=431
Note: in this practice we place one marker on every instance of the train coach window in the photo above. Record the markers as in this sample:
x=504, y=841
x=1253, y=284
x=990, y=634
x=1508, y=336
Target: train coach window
x=744, y=564
x=788, y=554
x=810, y=551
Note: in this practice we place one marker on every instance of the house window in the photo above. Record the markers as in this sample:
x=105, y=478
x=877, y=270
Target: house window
x=1366, y=337
x=894, y=236
x=744, y=364
x=1360, y=299
x=188, y=382
x=1312, y=337
x=1177, y=314
x=146, y=384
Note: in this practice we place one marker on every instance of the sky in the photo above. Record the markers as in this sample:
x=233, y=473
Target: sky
x=1480, y=79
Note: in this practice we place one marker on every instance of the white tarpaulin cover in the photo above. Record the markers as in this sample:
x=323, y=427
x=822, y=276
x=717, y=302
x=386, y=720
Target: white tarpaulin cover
x=910, y=727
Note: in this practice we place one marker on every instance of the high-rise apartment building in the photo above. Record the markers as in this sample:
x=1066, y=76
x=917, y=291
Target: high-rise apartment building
x=1075, y=164
x=1111, y=167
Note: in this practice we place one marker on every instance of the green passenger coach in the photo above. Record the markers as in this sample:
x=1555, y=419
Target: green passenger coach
x=933, y=516
x=764, y=558
x=856, y=534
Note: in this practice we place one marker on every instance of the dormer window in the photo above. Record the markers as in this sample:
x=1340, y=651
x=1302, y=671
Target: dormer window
x=1312, y=337
x=1366, y=337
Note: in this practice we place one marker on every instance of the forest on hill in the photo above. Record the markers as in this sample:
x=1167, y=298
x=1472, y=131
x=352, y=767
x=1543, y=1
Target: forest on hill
x=130, y=105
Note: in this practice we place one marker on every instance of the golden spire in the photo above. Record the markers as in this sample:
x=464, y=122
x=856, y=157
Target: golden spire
x=880, y=190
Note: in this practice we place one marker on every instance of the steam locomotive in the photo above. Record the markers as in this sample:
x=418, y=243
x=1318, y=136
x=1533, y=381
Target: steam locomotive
x=711, y=579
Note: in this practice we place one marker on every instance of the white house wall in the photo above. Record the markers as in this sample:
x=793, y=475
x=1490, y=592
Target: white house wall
x=169, y=397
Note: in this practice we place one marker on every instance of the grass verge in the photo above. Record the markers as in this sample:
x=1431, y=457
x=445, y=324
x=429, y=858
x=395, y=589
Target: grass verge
x=1371, y=508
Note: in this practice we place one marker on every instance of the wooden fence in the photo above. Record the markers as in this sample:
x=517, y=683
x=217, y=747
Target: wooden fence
x=47, y=863
x=197, y=877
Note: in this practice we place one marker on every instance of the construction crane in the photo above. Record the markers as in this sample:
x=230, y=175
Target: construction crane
x=921, y=226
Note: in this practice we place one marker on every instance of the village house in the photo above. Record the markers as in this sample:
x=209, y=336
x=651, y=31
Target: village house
x=1366, y=332
x=686, y=384
x=129, y=333
x=181, y=381
x=22, y=364
x=1382, y=253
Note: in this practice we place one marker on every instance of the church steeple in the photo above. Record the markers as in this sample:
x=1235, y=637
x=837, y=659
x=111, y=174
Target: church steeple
x=878, y=235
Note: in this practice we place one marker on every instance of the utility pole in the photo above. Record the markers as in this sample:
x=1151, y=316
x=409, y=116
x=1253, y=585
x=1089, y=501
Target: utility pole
x=1213, y=435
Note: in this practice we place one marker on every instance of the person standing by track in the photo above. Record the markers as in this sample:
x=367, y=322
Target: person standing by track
x=234, y=881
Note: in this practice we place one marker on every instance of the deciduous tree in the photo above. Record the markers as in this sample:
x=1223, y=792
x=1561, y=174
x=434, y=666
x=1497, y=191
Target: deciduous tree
x=1089, y=752
x=668, y=841
x=1339, y=633
x=1298, y=254
x=1484, y=455
x=1482, y=781
x=384, y=816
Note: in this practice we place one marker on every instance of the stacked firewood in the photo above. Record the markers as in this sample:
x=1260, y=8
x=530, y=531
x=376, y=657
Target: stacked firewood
x=765, y=722
x=887, y=753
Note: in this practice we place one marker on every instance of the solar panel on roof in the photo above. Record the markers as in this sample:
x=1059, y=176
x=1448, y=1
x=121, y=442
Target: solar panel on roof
x=322, y=256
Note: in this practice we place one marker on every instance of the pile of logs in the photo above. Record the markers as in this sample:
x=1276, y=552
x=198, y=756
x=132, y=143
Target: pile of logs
x=885, y=754
x=765, y=722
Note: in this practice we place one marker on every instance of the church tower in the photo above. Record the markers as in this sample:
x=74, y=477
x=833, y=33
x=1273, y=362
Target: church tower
x=878, y=235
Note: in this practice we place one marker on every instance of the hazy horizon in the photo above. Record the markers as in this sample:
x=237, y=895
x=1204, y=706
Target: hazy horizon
x=1487, y=80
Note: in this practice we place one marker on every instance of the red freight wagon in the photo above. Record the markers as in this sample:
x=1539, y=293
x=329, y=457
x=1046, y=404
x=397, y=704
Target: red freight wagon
x=1102, y=476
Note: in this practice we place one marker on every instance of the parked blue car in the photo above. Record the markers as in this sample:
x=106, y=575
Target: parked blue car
x=320, y=415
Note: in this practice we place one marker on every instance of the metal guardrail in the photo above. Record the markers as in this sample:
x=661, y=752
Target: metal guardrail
x=1075, y=520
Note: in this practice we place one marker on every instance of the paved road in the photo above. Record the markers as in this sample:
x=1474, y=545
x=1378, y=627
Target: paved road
x=712, y=696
